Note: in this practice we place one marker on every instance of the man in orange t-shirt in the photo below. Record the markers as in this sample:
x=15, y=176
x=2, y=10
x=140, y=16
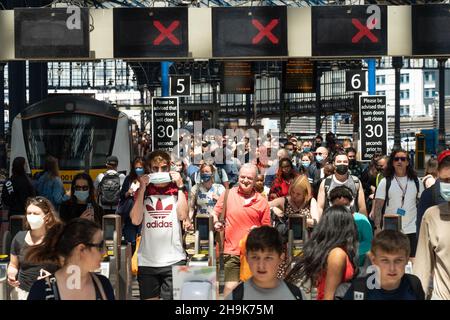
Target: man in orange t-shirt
x=246, y=208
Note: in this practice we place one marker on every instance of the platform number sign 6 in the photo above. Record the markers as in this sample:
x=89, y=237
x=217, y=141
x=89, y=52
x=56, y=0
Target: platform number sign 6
x=355, y=80
x=180, y=85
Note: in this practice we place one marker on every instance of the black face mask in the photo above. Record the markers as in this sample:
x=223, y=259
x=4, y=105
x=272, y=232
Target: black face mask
x=342, y=169
x=352, y=162
x=318, y=144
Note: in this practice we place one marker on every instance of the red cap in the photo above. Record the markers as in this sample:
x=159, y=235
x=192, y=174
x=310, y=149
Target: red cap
x=443, y=155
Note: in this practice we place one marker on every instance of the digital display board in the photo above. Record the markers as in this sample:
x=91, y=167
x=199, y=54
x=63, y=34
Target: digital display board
x=150, y=32
x=430, y=29
x=299, y=76
x=349, y=30
x=249, y=31
x=51, y=33
x=237, y=77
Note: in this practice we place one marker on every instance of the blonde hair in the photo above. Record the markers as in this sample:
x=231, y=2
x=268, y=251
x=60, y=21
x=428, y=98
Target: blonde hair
x=301, y=182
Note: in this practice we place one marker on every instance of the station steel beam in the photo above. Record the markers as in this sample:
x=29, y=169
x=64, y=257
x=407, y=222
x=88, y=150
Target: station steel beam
x=441, y=63
x=397, y=63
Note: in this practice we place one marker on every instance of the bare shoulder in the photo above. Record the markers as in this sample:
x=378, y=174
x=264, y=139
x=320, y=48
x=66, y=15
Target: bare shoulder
x=337, y=257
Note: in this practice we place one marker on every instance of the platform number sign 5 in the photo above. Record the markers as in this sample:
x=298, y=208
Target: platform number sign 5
x=355, y=80
x=180, y=85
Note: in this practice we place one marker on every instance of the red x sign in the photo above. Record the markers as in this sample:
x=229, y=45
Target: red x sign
x=265, y=31
x=363, y=32
x=166, y=32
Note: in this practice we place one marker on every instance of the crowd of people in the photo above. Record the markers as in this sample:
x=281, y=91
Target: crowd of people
x=350, y=251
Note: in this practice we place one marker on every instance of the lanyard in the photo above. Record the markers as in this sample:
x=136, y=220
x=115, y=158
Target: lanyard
x=403, y=190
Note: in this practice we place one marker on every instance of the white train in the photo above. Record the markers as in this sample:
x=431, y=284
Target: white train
x=80, y=132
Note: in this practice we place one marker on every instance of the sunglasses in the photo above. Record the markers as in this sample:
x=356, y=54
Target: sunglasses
x=400, y=159
x=79, y=188
x=100, y=246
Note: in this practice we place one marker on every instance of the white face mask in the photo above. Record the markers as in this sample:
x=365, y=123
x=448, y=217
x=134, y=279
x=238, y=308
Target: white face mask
x=160, y=177
x=35, y=221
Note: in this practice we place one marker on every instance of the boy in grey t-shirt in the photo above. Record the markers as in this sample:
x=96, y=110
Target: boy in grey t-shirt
x=264, y=252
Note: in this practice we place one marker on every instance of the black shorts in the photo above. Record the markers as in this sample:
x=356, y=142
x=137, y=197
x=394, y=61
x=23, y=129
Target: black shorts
x=156, y=281
x=412, y=244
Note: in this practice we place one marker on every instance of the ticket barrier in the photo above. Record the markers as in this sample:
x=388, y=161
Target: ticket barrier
x=117, y=266
x=392, y=222
x=204, y=249
x=16, y=224
x=296, y=236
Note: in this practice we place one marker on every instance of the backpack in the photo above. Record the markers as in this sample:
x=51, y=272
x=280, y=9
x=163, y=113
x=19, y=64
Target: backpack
x=386, y=198
x=8, y=194
x=360, y=288
x=109, y=189
x=238, y=292
x=327, y=186
x=281, y=224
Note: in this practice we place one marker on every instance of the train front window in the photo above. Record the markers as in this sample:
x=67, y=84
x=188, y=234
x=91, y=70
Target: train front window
x=77, y=140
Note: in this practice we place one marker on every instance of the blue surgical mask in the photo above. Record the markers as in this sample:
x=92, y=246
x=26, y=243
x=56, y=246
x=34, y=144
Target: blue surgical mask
x=139, y=171
x=205, y=177
x=306, y=164
x=319, y=158
x=445, y=191
x=306, y=149
x=81, y=195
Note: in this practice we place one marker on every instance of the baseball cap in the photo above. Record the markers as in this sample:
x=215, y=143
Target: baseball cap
x=443, y=155
x=112, y=160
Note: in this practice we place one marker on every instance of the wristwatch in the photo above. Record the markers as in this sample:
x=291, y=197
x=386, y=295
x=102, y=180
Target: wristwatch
x=182, y=188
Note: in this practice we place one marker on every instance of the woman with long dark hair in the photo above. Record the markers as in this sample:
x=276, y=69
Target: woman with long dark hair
x=17, y=189
x=397, y=194
x=329, y=257
x=78, y=248
x=283, y=179
x=82, y=202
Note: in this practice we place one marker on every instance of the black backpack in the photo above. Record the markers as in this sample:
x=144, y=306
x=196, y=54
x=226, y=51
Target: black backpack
x=281, y=224
x=360, y=288
x=238, y=292
x=327, y=186
x=109, y=189
x=8, y=194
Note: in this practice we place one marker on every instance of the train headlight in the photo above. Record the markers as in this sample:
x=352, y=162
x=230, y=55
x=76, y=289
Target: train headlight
x=70, y=107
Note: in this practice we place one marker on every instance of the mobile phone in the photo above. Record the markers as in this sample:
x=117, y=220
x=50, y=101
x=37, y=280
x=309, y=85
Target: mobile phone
x=392, y=222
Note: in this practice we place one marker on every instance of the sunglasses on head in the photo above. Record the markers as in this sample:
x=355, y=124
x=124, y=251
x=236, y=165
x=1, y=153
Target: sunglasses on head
x=400, y=159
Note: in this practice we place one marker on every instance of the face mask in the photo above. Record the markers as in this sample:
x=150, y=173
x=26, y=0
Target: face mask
x=307, y=149
x=318, y=144
x=290, y=153
x=159, y=177
x=352, y=162
x=319, y=158
x=342, y=169
x=139, y=171
x=445, y=191
x=81, y=195
x=35, y=221
x=205, y=177
x=306, y=164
